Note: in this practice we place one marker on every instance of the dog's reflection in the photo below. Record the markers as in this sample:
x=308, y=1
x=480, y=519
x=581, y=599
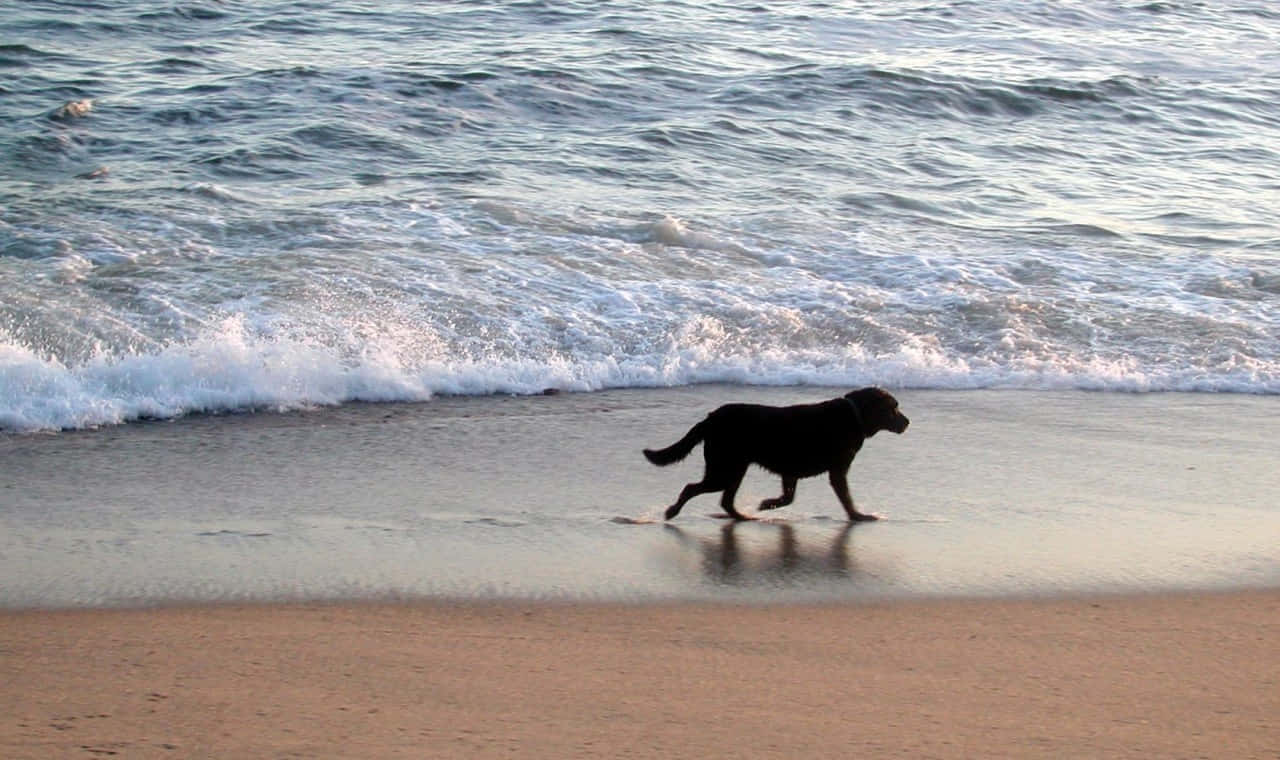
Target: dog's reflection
x=734, y=559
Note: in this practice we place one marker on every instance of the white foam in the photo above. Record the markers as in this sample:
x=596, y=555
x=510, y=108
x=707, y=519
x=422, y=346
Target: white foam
x=225, y=369
x=672, y=231
x=415, y=300
x=232, y=367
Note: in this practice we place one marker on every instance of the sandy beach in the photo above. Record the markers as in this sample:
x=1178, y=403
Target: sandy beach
x=1175, y=676
x=1056, y=575
x=332, y=336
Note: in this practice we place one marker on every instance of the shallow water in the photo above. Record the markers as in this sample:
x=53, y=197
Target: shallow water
x=988, y=493
x=276, y=205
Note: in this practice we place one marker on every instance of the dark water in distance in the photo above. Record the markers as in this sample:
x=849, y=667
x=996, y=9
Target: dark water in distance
x=212, y=206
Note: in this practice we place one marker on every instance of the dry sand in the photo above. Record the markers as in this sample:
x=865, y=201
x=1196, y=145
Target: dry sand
x=1150, y=677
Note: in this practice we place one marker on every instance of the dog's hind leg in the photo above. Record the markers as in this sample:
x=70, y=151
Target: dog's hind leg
x=688, y=492
x=733, y=480
x=788, y=495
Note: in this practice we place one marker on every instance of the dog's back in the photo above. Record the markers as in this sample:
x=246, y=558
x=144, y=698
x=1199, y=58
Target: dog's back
x=795, y=440
x=800, y=440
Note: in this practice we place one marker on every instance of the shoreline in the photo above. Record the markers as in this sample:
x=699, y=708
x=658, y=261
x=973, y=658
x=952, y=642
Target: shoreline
x=1169, y=675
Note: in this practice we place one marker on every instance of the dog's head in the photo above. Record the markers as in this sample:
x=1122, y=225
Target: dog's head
x=879, y=411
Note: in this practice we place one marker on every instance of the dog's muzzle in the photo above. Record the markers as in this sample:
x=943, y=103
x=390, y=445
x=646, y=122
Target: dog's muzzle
x=900, y=424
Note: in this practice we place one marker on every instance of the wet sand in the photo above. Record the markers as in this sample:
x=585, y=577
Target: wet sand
x=989, y=493
x=1171, y=676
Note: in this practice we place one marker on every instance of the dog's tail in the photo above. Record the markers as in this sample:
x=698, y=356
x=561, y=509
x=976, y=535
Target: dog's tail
x=678, y=450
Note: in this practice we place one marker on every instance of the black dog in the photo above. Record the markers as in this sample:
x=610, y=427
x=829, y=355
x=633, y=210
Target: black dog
x=792, y=441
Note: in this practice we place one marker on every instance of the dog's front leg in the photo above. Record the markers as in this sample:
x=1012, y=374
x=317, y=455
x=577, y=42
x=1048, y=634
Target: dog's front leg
x=840, y=484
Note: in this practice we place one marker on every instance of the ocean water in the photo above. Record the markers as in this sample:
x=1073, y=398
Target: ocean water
x=224, y=206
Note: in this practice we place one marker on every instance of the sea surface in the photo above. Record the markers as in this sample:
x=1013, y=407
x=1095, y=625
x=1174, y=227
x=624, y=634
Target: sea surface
x=230, y=206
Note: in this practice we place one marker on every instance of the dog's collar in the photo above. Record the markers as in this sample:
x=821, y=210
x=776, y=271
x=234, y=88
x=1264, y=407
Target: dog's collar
x=857, y=415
